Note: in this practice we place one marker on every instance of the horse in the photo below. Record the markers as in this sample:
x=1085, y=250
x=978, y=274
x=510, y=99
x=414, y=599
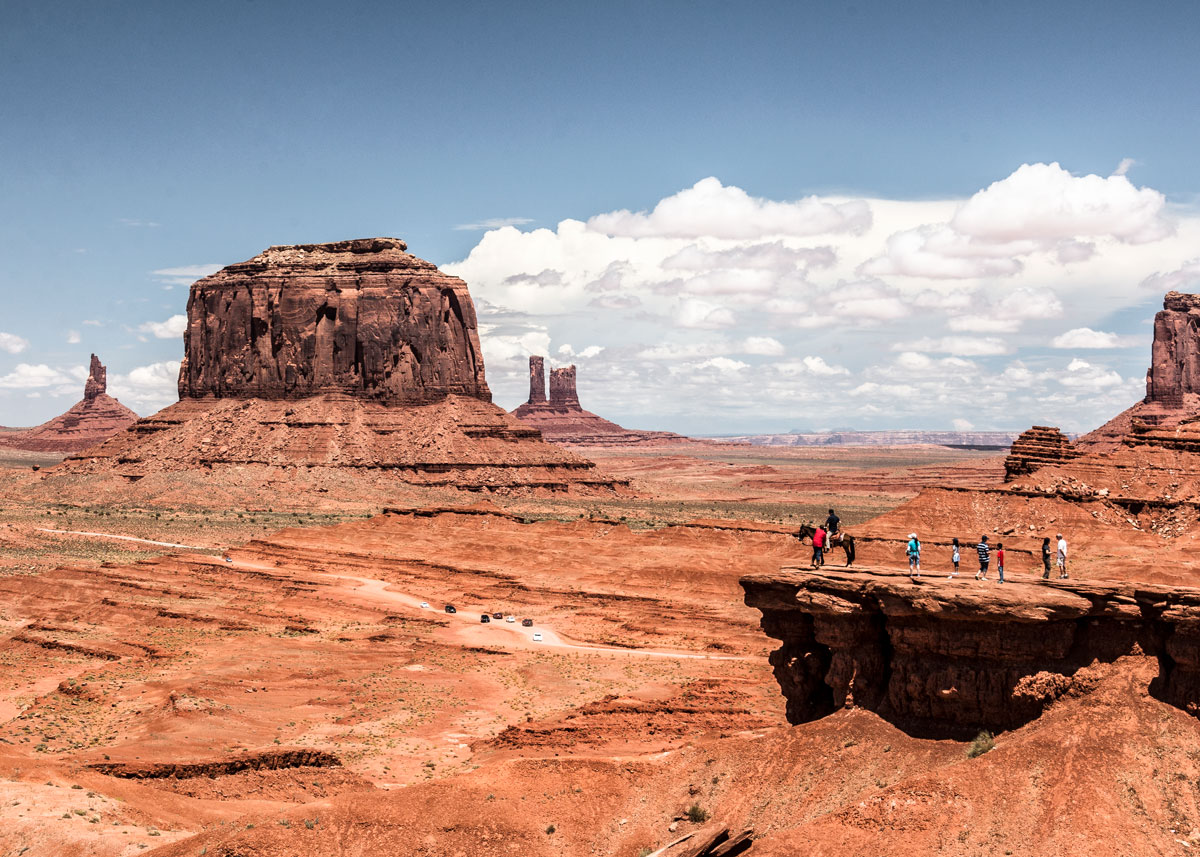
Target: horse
x=842, y=539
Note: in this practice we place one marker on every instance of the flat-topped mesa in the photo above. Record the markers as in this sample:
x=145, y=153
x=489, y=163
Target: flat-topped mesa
x=1175, y=356
x=362, y=318
x=562, y=388
x=948, y=660
x=97, y=381
x=1036, y=447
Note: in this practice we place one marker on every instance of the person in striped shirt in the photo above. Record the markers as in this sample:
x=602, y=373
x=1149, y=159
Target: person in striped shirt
x=985, y=554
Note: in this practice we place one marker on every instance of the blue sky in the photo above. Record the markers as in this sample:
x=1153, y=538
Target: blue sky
x=146, y=137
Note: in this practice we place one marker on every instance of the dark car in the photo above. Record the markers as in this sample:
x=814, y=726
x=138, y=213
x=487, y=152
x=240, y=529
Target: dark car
x=526, y=623
x=497, y=615
x=485, y=618
x=450, y=608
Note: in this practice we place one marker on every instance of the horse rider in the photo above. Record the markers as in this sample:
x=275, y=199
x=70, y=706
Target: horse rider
x=833, y=534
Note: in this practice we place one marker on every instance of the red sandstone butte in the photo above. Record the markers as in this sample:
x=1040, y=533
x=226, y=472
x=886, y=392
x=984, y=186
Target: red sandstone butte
x=92, y=420
x=355, y=360
x=362, y=317
x=562, y=419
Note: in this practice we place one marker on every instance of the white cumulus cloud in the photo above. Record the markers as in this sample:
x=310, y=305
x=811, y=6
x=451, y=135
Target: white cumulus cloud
x=1085, y=337
x=711, y=209
x=172, y=328
x=12, y=343
x=27, y=376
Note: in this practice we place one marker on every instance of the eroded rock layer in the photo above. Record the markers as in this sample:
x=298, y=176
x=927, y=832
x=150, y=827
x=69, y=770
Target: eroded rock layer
x=951, y=660
x=91, y=420
x=362, y=318
x=1036, y=447
x=561, y=419
x=459, y=442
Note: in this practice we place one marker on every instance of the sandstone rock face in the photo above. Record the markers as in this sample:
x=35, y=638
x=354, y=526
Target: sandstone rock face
x=951, y=661
x=561, y=419
x=1175, y=356
x=97, y=382
x=562, y=388
x=92, y=420
x=1035, y=448
x=361, y=318
x=537, y=380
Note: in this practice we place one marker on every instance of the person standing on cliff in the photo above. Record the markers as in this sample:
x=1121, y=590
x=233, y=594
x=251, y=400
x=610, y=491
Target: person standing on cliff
x=1046, y=558
x=1000, y=559
x=818, y=540
x=1062, y=557
x=914, y=555
x=954, y=556
x=985, y=554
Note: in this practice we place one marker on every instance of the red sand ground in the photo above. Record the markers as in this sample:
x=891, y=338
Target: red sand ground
x=245, y=680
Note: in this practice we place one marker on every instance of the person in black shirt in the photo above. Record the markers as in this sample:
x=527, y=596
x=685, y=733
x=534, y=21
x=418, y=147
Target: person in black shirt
x=985, y=554
x=831, y=523
x=1046, y=558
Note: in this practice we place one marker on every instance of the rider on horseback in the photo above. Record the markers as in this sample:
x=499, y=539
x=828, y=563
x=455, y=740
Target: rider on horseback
x=831, y=528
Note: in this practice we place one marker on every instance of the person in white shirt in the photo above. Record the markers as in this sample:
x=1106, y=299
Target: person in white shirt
x=1062, y=557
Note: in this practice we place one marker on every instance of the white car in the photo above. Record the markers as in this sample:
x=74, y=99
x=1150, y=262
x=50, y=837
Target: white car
x=424, y=605
x=510, y=618
x=537, y=636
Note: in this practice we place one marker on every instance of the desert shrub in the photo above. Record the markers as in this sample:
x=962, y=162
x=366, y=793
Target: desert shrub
x=697, y=814
x=983, y=742
x=550, y=829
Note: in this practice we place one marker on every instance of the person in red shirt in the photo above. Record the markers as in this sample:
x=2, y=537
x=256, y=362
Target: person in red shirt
x=818, y=540
x=1000, y=559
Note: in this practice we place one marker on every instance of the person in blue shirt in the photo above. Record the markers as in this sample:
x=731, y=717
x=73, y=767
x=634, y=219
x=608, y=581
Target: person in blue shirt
x=914, y=555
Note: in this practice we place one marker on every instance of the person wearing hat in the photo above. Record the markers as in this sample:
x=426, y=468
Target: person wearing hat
x=1062, y=557
x=914, y=555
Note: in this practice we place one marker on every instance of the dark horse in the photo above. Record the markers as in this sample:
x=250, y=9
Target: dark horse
x=842, y=539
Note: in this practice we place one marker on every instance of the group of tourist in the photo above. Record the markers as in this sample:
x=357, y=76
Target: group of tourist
x=985, y=552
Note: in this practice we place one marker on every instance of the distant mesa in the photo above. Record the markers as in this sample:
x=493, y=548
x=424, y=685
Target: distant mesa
x=92, y=420
x=898, y=437
x=561, y=419
x=352, y=356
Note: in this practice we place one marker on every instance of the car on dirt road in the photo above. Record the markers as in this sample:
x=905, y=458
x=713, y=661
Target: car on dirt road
x=510, y=618
x=424, y=605
x=497, y=616
x=537, y=636
x=483, y=617
x=450, y=608
x=526, y=623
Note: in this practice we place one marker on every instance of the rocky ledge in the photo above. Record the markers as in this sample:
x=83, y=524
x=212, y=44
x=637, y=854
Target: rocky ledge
x=945, y=659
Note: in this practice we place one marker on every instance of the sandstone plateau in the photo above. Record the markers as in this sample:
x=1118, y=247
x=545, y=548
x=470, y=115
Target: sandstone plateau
x=91, y=420
x=348, y=357
x=561, y=419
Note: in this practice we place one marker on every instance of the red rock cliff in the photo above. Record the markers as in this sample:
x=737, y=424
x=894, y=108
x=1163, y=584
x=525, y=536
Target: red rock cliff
x=1175, y=355
x=948, y=660
x=359, y=317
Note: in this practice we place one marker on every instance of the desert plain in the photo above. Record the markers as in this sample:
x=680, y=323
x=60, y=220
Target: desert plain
x=254, y=622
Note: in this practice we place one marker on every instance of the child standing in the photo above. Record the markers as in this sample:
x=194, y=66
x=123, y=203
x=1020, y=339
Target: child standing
x=1000, y=559
x=985, y=553
x=914, y=555
x=954, y=556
